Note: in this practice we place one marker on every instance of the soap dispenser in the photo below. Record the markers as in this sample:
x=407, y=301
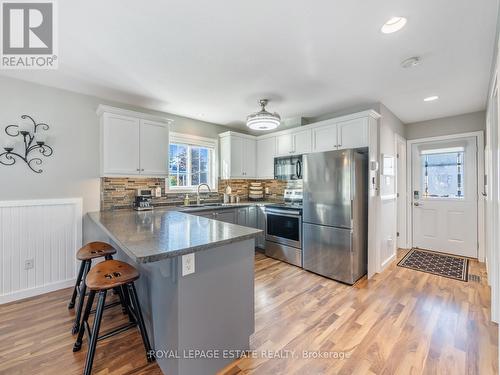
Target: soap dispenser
x=186, y=200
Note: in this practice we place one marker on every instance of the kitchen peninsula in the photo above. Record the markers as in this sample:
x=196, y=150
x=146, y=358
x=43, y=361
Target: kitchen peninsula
x=193, y=316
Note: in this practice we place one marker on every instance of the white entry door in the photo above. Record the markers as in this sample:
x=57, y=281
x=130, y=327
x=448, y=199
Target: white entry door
x=444, y=189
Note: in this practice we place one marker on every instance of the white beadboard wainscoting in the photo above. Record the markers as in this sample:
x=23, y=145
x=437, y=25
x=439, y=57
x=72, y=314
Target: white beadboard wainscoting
x=38, y=243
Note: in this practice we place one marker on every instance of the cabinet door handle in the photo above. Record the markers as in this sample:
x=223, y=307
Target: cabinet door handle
x=138, y=170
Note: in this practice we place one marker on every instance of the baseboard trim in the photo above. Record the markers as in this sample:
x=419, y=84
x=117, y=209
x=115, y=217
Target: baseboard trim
x=32, y=292
x=388, y=261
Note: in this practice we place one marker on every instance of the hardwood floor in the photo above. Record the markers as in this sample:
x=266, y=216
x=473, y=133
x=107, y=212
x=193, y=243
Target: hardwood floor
x=401, y=322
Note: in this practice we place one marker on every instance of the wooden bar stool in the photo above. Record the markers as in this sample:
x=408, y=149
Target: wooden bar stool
x=111, y=274
x=85, y=255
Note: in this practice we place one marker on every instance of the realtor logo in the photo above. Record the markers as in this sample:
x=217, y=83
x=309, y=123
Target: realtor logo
x=29, y=40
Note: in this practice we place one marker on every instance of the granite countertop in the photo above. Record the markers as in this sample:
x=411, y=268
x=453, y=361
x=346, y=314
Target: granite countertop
x=221, y=207
x=150, y=236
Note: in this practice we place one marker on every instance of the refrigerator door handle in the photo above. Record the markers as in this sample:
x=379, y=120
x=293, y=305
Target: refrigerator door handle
x=298, y=169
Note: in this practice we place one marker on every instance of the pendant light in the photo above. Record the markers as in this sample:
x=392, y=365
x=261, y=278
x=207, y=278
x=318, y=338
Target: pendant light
x=263, y=120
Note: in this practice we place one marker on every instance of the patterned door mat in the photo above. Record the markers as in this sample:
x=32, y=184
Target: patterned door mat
x=450, y=266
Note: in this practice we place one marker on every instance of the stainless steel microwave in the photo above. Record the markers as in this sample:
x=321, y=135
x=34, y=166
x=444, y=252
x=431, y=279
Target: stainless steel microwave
x=288, y=168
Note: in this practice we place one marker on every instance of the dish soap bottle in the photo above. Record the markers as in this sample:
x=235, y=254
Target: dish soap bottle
x=186, y=200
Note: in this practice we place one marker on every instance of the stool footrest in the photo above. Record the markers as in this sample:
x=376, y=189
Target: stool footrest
x=116, y=331
x=107, y=306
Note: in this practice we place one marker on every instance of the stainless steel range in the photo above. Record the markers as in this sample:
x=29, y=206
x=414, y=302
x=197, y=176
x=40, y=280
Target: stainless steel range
x=284, y=226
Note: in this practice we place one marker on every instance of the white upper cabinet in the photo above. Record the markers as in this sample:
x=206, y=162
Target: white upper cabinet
x=245, y=156
x=284, y=144
x=337, y=135
x=237, y=155
x=302, y=140
x=294, y=143
x=324, y=138
x=120, y=145
x=352, y=133
x=249, y=157
x=266, y=151
x=153, y=148
x=131, y=145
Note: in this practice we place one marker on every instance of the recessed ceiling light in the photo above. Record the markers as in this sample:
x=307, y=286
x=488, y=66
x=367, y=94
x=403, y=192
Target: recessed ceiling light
x=431, y=98
x=393, y=25
x=411, y=62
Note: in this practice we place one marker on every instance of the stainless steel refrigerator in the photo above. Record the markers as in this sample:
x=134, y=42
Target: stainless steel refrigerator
x=335, y=214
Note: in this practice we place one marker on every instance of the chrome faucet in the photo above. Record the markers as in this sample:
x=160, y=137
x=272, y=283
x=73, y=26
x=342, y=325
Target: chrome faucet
x=198, y=200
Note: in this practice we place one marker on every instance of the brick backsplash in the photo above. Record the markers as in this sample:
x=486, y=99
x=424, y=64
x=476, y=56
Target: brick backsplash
x=118, y=192
x=240, y=187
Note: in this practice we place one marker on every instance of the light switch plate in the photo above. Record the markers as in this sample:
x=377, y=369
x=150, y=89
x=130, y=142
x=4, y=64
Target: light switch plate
x=188, y=266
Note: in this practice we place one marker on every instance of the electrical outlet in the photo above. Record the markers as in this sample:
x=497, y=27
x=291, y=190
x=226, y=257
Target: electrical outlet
x=188, y=264
x=29, y=264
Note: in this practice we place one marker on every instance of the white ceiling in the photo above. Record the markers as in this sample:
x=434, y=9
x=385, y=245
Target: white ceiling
x=212, y=60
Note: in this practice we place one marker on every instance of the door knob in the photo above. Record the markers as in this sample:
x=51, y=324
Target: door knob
x=416, y=204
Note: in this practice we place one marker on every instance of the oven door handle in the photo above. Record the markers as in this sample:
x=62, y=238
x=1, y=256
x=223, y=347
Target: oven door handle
x=290, y=213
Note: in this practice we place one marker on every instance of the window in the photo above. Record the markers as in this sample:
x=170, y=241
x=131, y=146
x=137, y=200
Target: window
x=443, y=173
x=191, y=162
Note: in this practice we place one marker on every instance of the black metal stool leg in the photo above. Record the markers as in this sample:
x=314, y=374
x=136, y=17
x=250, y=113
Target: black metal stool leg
x=140, y=321
x=126, y=298
x=95, y=333
x=86, y=314
x=81, y=299
x=77, y=285
x=119, y=292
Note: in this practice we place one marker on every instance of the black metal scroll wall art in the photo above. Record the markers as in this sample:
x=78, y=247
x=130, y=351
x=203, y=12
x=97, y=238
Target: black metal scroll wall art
x=30, y=137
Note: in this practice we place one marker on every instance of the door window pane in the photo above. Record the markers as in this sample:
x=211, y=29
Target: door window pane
x=443, y=174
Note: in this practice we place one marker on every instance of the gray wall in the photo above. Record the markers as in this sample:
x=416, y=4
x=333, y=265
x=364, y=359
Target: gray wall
x=73, y=170
x=468, y=122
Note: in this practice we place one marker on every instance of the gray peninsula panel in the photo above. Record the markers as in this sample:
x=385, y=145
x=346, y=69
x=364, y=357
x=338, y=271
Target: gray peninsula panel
x=152, y=236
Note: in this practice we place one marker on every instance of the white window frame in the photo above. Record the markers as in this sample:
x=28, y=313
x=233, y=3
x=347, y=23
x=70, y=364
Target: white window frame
x=197, y=141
